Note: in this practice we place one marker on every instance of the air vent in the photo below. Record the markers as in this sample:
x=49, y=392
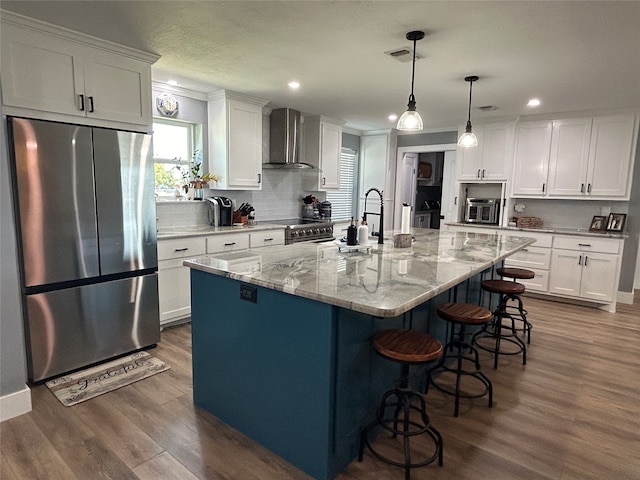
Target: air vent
x=403, y=54
x=488, y=108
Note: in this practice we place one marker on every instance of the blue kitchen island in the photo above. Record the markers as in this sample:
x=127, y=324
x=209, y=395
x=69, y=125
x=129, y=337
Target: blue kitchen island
x=281, y=335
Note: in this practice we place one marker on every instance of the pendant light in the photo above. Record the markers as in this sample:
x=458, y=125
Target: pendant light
x=468, y=138
x=411, y=120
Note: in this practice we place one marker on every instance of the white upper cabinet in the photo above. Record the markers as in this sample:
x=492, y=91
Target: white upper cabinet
x=491, y=159
x=569, y=156
x=611, y=156
x=576, y=158
x=48, y=76
x=323, y=143
x=533, y=143
x=235, y=140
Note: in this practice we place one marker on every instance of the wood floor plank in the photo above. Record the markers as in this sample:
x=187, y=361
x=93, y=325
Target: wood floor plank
x=571, y=413
x=29, y=452
x=164, y=467
x=129, y=443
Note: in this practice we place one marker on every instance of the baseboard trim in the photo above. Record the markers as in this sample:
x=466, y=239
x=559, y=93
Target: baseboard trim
x=625, y=297
x=15, y=404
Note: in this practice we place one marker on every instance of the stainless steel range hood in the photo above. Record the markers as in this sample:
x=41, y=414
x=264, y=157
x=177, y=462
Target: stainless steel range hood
x=284, y=145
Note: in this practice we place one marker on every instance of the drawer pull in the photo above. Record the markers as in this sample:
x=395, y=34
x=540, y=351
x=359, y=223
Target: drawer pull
x=181, y=249
x=229, y=244
x=584, y=244
x=268, y=239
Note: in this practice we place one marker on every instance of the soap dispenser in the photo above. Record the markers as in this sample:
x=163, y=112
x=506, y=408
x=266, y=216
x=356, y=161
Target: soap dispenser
x=363, y=232
x=352, y=234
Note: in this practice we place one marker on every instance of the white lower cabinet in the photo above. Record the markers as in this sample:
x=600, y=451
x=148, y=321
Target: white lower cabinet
x=174, y=279
x=585, y=267
x=266, y=239
x=537, y=258
x=174, y=285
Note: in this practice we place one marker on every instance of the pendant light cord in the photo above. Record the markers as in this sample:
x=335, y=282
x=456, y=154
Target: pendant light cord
x=413, y=71
x=470, y=88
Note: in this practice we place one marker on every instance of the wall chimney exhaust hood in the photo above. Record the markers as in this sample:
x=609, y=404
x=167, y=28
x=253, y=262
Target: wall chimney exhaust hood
x=284, y=144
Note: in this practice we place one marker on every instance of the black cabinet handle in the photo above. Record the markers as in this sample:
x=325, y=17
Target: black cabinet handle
x=478, y=174
x=483, y=172
x=268, y=239
x=589, y=188
x=91, y=104
x=586, y=261
x=580, y=260
x=81, y=99
x=229, y=244
x=181, y=249
x=582, y=188
x=259, y=178
x=543, y=187
x=584, y=244
x=324, y=180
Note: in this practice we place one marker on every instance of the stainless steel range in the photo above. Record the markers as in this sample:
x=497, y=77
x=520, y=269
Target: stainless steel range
x=307, y=230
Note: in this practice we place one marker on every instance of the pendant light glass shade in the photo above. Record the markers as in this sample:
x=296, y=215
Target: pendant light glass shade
x=468, y=138
x=411, y=119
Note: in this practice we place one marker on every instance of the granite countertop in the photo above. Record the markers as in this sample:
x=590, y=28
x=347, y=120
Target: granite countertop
x=558, y=230
x=200, y=230
x=383, y=281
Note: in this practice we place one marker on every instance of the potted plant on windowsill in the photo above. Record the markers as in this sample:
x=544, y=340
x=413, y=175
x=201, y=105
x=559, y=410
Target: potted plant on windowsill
x=199, y=181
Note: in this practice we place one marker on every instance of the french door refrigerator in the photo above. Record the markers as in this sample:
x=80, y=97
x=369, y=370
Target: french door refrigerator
x=85, y=217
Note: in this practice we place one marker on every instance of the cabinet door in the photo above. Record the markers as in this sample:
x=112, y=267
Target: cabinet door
x=39, y=72
x=599, y=274
x=244, y=144
x=497, y=151
x=117, y=88
x=533, y=144
x=174, y=290
x=566, y=271
x=569, y=157
x=331, y=144
x=609, y=171
x=471, y=158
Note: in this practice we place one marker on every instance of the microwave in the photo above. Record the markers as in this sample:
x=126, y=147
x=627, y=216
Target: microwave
x=482, y=210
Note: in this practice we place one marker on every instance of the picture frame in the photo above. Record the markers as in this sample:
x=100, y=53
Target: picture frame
x=616, y=221
x=598, y=223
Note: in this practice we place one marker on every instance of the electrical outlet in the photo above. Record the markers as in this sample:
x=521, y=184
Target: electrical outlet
x=606, y=211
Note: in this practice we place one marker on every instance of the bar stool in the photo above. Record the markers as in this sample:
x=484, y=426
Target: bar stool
x=408, y=347
x=518, y=274
x=497, y=330
x=454, y=359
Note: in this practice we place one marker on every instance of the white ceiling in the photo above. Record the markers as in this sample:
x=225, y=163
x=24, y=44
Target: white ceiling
x=573, y=55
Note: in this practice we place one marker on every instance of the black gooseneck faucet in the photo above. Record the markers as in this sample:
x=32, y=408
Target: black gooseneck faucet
x=381, y=214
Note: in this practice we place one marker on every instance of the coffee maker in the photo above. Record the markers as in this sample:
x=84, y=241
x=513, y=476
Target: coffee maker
x=220, y=212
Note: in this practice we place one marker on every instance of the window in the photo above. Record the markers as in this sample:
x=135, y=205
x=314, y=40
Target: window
x=343, y=200
x=174, y=143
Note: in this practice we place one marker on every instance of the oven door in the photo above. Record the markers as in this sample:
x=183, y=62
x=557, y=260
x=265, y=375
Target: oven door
x=315, y=240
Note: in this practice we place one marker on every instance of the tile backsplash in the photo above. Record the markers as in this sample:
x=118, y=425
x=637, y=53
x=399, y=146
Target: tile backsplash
x=280, y=198
x=567, y=213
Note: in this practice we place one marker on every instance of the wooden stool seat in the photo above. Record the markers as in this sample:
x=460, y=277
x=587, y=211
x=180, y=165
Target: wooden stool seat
x=408, y=346
x=503, y=287
x=517, y=273
x=464, y=313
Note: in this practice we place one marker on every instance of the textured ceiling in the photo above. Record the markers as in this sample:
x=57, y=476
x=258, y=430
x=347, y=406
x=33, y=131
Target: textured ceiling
x=573, y=55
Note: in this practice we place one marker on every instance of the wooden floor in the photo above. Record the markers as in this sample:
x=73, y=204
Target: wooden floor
x=572, y=413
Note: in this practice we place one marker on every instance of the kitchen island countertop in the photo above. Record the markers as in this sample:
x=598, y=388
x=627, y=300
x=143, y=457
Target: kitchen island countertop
x=556, y=230
x=383, y=281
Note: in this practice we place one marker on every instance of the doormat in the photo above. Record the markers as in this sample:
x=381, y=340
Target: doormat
x=106, y=377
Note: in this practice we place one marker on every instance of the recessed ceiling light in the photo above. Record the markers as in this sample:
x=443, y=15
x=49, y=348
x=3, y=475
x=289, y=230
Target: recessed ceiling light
x=294, y=85
x=534, y=102
x=172, y=82
x=393, y=117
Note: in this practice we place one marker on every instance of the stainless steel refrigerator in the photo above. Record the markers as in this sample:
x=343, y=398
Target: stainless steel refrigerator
x=85, y=215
